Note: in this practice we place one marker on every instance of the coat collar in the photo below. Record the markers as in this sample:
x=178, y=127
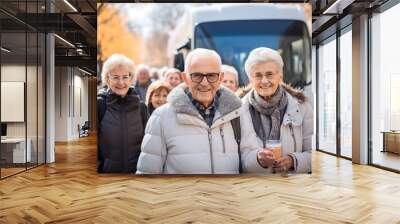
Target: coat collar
x=228, y=104
x=131, y=97
x=293, y=113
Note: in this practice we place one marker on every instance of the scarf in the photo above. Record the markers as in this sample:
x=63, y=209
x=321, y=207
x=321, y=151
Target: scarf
x=271, y=112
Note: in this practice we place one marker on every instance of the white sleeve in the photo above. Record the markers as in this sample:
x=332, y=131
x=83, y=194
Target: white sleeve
x=302, y=160
x=249, y=145
x=153, y=154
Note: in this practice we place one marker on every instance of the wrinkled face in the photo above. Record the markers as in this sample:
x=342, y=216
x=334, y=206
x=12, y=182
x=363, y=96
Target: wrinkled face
x=265, y=78
x=143, y=76
x=203, y=88
x=159, y=97
x=119, y=80
x=174, y=79
x=229, y=81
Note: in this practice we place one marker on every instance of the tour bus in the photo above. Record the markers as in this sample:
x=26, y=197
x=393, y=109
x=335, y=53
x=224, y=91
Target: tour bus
x=236, y=29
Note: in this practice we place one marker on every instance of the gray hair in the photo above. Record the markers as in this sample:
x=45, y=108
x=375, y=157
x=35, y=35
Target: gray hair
x=142, y=67
x=200, y=52
x=230, y=69
x=163, y=72
x=170, y=71
x=261, y=55
x=116, y=61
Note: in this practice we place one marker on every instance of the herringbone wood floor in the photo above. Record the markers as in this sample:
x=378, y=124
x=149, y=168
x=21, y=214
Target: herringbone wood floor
x=70, y=191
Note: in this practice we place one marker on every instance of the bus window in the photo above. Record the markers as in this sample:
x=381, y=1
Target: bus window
x=234, y=39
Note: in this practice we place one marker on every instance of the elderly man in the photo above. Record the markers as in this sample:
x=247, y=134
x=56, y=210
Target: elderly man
x=231, y=77
x=193, y=133
x=143, y=81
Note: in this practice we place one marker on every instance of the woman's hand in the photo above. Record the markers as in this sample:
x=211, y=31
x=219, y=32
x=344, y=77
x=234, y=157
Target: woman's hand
x=283, y=164
x=265, y=157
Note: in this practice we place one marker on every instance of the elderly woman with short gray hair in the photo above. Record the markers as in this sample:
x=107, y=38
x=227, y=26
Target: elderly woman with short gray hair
x=121, y=117
x=231, y=77
x=278, y=112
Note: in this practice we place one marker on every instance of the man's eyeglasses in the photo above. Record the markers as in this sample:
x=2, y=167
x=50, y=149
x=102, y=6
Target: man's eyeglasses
x=116, y=79
x=198, y=77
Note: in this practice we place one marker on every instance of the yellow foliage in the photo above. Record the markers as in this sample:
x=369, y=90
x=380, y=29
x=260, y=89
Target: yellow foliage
x=114, y=37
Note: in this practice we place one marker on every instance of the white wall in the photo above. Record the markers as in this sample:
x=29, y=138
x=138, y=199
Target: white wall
x=80, y=102
x=70, y=84
x=16, y=73
x=61, y=103
x=33, y=127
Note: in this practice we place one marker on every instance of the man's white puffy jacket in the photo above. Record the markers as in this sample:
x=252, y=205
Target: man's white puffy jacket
x=178, y=141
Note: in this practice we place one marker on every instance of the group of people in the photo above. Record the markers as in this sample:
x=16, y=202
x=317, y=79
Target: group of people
x=151, y=87
x=193, y=122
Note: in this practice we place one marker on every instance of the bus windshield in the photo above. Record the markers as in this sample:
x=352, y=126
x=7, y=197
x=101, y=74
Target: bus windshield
x=234, y=39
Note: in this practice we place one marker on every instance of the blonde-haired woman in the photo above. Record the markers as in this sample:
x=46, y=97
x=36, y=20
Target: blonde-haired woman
x=173, y=77
x=121, y=117
x=157, y=95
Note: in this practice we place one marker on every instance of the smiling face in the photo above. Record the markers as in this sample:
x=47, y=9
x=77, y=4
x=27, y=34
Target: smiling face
x=203, y=91
x=265, y=78
x=119, y=80
x=230, y=81
x=174, y=79
x=143, y=76
x=159, y=97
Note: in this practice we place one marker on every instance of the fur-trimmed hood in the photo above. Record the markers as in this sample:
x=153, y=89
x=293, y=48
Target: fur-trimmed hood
x=228, y=101
x=295, y=92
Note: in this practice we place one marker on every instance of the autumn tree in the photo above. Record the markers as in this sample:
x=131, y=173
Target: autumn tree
x=114, y=37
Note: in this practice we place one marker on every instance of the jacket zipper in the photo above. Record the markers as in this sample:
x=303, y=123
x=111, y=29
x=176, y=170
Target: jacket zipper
x=294, y=139
x=223, y=139
x=211, y=156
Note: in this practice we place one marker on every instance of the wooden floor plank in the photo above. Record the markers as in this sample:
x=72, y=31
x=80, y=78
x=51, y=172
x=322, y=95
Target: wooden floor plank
x=70, y=191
